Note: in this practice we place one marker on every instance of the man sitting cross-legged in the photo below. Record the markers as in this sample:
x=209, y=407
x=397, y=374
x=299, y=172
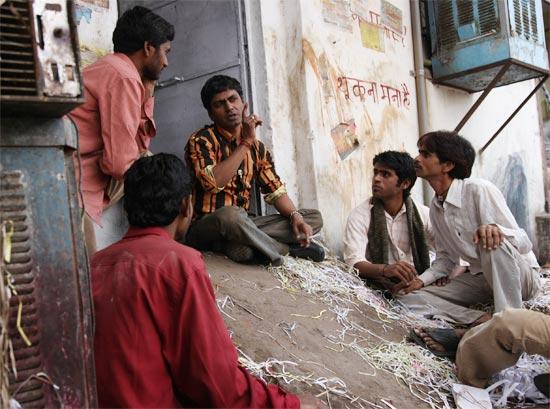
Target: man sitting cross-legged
x=227, y=158
x=387, y=236
x=470, y=221
x=160, y=341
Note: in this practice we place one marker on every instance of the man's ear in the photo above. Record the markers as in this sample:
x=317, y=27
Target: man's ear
x=405, y=184
x=448, y=166
x=148, y=49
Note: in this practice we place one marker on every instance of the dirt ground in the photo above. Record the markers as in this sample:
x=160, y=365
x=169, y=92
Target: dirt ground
x=260, y=305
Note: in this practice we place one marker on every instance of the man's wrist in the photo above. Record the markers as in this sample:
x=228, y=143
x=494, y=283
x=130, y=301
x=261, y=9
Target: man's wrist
x=293, y=214
x=383, y=270
x=246, y=143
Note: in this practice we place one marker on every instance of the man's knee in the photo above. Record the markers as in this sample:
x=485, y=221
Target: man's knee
x=229, y=217
x=506, y=327
x=313, y=217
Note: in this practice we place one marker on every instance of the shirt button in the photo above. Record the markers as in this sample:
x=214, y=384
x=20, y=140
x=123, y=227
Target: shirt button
x=458, y=233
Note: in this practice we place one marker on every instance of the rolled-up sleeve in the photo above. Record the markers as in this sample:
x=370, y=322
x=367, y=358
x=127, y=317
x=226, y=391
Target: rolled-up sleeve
x=201, y=155
x=120, y=112
x=356, y=235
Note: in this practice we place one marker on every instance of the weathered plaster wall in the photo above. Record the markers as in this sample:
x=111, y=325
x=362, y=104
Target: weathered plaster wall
x=341, y=89
x=96, y=20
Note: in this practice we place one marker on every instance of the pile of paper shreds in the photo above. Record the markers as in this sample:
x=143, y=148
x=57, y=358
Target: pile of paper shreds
x=428, y=378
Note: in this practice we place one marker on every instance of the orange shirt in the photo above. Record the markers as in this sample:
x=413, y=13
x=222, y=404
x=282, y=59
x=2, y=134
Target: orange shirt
x=115, y=125
x=211, y=145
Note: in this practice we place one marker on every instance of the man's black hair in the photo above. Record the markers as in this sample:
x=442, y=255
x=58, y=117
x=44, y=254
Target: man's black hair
x=217, y=84
x=154, y=187
x=138, y=25
x=449, y=146
x=401, y=163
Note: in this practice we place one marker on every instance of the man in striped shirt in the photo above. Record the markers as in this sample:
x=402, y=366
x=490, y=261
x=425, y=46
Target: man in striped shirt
x=226, y=158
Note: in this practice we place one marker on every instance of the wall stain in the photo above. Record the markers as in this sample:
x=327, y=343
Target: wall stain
x=513, y=185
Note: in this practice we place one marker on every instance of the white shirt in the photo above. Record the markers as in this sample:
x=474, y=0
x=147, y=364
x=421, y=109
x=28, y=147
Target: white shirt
x=357, y=229
x=469, y=204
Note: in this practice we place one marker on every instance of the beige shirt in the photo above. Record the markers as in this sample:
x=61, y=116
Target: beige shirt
x=357, y=228
x=469, y=204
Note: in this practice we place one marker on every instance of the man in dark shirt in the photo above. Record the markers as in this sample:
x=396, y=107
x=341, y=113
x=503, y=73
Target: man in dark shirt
x=227, y=158
x=160, y=340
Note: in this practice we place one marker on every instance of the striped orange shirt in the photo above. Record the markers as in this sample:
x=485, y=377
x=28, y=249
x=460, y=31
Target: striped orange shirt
x=209, y=146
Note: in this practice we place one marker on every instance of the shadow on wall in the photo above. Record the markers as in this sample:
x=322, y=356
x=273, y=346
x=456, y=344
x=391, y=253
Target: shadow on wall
x=513, y=185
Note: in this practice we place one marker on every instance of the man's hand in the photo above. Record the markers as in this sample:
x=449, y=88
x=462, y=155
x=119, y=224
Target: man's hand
x=149, y=86
x=489, y=236
x=442, y=282
x=302, y=231
x=416, y=284
x=402, y=271
x=249, y=124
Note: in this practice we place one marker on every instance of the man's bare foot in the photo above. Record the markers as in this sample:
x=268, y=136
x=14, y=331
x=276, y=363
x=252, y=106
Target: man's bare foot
x=431, y=343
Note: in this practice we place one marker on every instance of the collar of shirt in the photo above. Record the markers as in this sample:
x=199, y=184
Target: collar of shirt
x=402, y=211
x=228, y=136
x=134, y=231
x=454, y=195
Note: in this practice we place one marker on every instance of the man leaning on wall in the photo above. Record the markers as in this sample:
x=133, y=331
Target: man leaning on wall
x=116, y=124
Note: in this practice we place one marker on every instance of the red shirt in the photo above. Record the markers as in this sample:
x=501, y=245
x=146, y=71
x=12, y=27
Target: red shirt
x=160, y=340
x=115, y=126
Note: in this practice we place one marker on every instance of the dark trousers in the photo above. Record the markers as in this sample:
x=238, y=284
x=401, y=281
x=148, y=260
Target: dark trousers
x=269, y=235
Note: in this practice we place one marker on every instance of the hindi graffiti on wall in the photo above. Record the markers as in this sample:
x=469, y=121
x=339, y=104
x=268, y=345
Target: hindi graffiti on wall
x=364, y=89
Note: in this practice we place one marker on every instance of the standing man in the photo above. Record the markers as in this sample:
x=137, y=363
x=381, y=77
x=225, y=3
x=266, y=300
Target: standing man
x=227, y=158
x=472, y=222
x=116, y=124
x=387, y=236
x=160, y=341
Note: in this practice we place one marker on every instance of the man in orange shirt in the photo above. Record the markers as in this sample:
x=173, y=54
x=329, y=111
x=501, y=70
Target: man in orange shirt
x=227, y=158
x=116, y=123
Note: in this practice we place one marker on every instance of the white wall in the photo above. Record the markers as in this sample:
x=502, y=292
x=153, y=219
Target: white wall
x=308, y=46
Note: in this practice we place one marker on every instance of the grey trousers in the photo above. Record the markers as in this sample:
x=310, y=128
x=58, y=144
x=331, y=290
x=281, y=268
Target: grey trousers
x=498, y=343
x=269, y=235
x=507, y=279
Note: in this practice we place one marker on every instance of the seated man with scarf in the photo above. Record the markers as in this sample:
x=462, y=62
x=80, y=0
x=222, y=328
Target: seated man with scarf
x=387, y=236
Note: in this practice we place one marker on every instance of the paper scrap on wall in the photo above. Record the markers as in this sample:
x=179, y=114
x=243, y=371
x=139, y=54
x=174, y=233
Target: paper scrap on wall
x=345, y=138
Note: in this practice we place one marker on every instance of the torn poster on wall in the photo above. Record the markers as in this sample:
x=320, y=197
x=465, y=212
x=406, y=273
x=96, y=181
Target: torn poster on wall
x=371, y=36
x=345, y=138
x=337, y=12
x=99, y=3
x=388, y=23
x=392, y=17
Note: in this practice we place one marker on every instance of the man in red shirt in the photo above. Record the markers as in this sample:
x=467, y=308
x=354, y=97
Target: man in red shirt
x=116, y=124
x=160, y=340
